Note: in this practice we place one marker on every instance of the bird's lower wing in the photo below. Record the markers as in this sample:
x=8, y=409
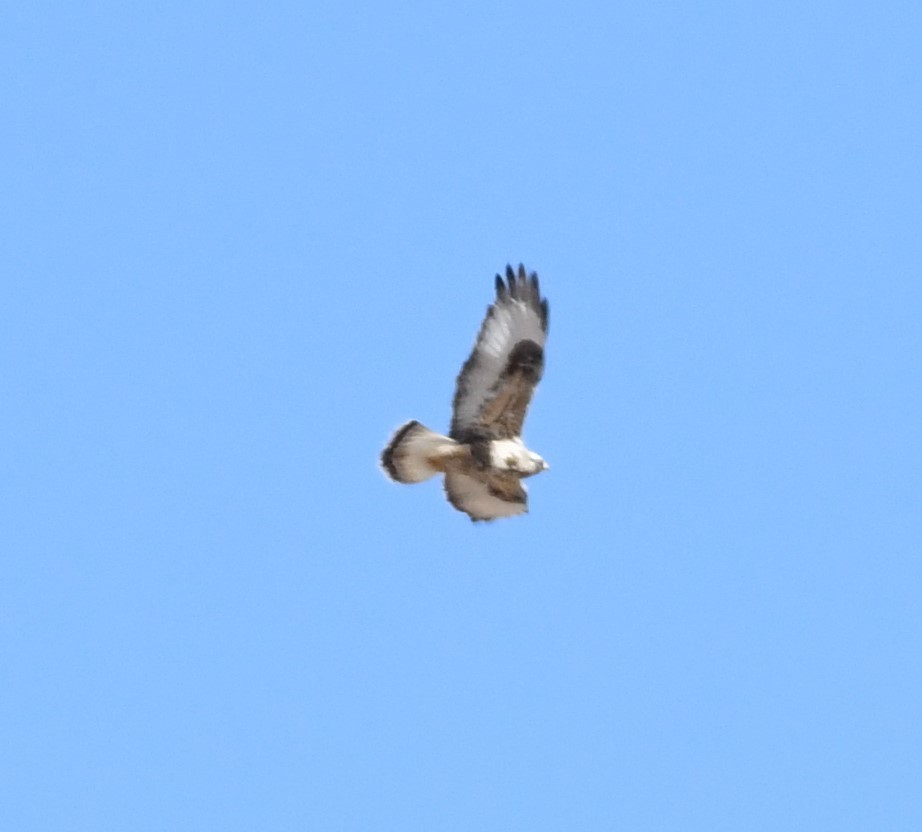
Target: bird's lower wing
x=486, y=498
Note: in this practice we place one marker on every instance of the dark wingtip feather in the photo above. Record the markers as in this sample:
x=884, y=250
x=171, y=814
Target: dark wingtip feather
x=500, y=288
x=523, y=286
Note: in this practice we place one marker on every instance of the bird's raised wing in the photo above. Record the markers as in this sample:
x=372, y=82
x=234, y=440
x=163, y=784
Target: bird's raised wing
x=496, y=383
x=487, y=497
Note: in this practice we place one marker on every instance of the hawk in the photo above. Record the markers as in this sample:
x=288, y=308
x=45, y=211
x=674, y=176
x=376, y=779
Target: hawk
x=483, y=457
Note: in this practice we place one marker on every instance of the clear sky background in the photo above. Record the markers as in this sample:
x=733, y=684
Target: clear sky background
x=241, y=244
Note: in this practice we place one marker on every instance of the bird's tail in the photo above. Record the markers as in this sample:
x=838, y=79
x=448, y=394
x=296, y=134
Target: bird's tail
x=416, y=453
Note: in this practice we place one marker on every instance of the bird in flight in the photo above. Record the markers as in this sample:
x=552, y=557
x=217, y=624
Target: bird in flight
x=483, y=458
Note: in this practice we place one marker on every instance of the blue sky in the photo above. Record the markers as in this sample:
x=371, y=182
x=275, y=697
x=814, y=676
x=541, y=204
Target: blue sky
x=241, y=244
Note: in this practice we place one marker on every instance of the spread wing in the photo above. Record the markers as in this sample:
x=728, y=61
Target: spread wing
x=487, y=497
x=496, y=383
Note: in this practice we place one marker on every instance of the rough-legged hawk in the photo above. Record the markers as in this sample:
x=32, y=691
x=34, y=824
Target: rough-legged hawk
x=483, y=457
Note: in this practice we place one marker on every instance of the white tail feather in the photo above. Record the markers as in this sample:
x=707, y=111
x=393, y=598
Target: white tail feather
x=416, y=453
